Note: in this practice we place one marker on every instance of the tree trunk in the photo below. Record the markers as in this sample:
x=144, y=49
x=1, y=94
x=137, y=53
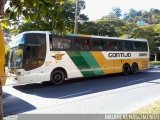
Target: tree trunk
x=1, y=103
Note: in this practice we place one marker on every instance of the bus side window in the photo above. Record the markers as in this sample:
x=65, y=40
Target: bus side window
x=86, y=45
x=50, y=42
x=77, y=45
x=27, y=56
x=108, y=45
x=129, y=46
x=60, y=43
x=98, y=44
x=140, y=46
x=66, y=43
x=81, y=44
x=112, y=45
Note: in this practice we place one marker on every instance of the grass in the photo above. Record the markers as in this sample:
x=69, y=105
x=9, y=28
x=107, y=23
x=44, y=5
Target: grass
x=155, y=62
x=153, y=108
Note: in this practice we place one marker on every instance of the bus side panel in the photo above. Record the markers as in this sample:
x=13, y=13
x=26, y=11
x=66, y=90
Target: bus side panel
x=67, y=62
x=143, y=63
x=2, y=59
x=107, y=65
x=81, y=63
x=101, y=60
x=112, y=65
x=92, y=63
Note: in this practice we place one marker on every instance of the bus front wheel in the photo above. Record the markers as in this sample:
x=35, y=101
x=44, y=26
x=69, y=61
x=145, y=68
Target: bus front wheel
x=126, y=69
x=57, y=77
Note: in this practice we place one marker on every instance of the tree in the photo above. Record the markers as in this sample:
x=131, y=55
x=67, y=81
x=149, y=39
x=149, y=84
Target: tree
x=127, y=29
x=103, y=27
x=151, y=17
x=117, y=11
x=53, y=15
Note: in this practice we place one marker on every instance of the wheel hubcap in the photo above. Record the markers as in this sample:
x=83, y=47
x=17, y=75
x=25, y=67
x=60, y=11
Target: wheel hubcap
x=134, y=68
x=58, y=78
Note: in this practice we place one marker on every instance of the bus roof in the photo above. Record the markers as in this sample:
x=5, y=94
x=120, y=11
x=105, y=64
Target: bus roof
x=87, y=36
x=106, y=37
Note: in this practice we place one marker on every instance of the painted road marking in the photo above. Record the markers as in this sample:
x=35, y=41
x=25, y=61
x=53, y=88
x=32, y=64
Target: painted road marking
x=136, y=80
x=74, y=94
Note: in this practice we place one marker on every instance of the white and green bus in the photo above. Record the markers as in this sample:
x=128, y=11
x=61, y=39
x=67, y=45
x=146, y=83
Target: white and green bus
x=38, y=56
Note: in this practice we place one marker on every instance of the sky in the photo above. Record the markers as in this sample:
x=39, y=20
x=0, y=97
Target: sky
x=95, y=9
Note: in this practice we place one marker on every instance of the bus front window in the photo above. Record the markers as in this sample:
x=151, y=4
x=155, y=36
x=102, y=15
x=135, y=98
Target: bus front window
x=16, y=58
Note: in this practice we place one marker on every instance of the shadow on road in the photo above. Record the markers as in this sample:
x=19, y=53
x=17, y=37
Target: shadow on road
x=83, y=86
x=13, y=105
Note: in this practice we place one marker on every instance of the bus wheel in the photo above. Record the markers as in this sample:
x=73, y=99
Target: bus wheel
x=57, y=77
x=134, y=68
x=126, y=69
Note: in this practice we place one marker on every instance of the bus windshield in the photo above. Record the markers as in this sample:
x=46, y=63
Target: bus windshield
x=16, y=57
x=28, y=51
x=16, y=53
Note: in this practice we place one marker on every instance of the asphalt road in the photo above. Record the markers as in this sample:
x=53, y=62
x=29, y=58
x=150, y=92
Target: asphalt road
x=105, y=94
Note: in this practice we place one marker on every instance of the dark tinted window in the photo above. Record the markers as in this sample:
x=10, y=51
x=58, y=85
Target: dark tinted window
x=81, y=44
x=98, y=44
x=113, y=45
x=60, y=43
x=35, y=50
x=127, y=45
x=140, y=46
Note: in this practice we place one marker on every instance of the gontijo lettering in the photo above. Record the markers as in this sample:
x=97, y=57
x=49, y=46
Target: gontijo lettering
x=119, y=54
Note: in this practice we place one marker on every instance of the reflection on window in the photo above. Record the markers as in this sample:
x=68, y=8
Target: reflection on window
x=98, y=44
x=58, y=43
x=80, y=44
x=16, y=58
x=17, y=40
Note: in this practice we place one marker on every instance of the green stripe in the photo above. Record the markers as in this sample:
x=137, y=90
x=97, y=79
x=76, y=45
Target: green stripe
x=92, y=63
x=81, y=63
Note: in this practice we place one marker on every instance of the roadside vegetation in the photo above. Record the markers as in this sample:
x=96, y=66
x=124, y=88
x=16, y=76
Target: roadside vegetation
x=153, y=108
x=155, y=62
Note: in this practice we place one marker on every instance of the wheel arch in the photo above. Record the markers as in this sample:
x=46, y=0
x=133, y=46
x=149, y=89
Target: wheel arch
x=134, y=63
x=60, y=68
x=125, y=64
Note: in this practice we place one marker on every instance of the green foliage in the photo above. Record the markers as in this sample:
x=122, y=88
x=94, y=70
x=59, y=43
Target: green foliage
x=103, y=27
x=127, y=29
x=7, y=49
x=150, y=17
x=52, y=15
x=155, y=62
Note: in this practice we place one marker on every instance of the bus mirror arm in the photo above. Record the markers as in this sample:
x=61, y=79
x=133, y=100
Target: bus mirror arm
x=21, y=45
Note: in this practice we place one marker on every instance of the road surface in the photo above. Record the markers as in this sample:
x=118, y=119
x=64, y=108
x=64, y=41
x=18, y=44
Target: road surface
x=105, y=94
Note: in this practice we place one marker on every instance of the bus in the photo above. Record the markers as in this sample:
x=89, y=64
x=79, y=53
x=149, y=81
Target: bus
x=2, y=59
x=38, y=56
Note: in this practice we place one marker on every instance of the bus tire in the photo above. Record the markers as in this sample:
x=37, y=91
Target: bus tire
x=134, y=68
x=126, y=69
x=57, y=77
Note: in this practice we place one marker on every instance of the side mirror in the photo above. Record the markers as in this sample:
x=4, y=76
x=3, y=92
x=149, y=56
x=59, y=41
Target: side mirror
x=20, y=45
